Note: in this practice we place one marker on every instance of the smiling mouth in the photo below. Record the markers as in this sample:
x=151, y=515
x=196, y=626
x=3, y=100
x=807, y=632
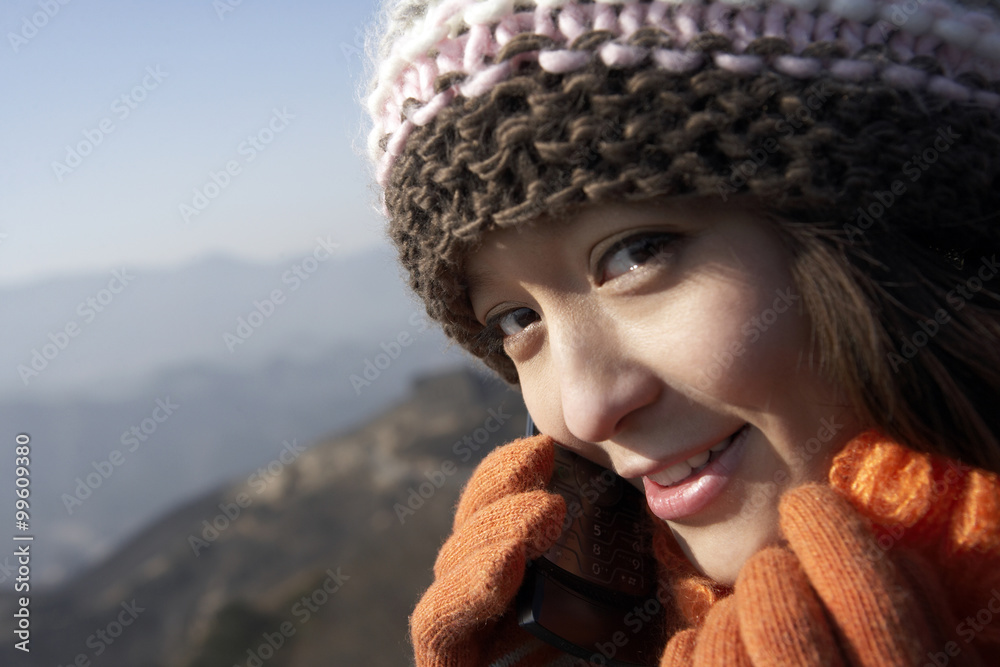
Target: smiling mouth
x=679, y=472
x=683, y=489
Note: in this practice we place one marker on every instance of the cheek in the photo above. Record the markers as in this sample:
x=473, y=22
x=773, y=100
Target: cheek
x=731, y=341
x=541, y=400
x=541, y=397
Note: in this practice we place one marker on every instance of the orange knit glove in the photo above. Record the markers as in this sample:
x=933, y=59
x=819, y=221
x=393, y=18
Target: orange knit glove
x=504, y=518
x=827, y=598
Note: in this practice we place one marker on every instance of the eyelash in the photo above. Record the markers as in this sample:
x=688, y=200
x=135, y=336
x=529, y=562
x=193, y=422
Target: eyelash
x=655, y=245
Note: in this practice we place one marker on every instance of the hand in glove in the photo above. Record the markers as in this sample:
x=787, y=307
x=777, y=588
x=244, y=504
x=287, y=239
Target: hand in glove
x=505, y=517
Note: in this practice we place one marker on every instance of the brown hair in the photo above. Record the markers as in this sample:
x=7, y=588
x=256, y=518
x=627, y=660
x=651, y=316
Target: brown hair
x=892, y=327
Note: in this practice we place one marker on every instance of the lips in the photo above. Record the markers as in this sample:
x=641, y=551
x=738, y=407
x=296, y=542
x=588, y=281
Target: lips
x=685, y=488
x=681, y=471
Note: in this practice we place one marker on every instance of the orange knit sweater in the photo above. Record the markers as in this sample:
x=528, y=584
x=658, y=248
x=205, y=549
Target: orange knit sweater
x=945, y=512
x=896, y=562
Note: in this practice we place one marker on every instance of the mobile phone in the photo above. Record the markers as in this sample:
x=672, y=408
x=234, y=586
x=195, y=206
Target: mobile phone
x=593, y=594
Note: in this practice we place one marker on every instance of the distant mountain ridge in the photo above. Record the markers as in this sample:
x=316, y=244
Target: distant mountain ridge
x=318, y=549
x=226, y=424
x=301, y=371
x=120, y=327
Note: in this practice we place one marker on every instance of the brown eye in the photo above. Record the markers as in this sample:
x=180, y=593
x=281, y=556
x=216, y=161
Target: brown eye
x=635, y=251
x=515, y=321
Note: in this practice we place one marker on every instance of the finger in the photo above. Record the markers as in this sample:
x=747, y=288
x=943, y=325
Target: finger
x=866, y=595
x=480, y=568
x=781, y=620
x=523, y=465
x=441, y=626
x=680, y=649
x=464, y=603
x=525, y=524
x=719, y=641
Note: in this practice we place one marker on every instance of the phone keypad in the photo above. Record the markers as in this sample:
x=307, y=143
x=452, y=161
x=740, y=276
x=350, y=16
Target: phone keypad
x=603, y=541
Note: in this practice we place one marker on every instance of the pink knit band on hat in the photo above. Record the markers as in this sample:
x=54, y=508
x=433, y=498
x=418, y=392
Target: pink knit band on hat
x=463, y=38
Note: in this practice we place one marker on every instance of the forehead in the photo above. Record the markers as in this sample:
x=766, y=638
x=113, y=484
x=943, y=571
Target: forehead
x=494, y=256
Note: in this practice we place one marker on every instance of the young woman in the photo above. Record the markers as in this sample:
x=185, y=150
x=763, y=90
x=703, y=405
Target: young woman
x=745, y=255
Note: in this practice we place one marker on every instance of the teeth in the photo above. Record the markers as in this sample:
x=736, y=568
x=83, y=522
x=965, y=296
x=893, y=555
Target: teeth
x=722, y=445
x=698, y=459
x=673, y=474
x=681, y=471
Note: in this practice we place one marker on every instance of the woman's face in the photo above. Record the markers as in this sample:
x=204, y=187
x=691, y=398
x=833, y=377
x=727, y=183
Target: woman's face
x=669, y=343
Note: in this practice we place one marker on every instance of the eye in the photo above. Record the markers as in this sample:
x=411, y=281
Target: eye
x=634, y=251
x=512, y=322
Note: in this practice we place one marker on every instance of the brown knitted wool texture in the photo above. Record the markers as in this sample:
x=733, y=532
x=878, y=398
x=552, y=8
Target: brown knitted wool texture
x=540, y=144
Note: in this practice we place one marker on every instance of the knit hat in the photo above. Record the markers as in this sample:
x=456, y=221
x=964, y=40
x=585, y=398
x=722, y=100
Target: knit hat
x=877, y=120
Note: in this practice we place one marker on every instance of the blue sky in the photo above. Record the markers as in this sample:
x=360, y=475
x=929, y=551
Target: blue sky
x=153, y=98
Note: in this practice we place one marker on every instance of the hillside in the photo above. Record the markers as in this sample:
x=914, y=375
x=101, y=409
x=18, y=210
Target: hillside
x=299, y=564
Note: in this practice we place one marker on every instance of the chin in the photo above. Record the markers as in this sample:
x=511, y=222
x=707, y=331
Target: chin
x=719, y=553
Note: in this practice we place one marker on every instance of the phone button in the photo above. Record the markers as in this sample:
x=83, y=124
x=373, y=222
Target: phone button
x=600, y=573
x=630, y=582
x=627, y=560
x=566, y=559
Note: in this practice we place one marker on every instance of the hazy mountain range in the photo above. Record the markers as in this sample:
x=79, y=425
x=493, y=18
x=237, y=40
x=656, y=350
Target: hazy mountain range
x=130, y=323
x=317, y=561
x=143, y=397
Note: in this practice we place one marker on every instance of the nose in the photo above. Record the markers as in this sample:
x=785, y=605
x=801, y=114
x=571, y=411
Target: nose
x=601, y=380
